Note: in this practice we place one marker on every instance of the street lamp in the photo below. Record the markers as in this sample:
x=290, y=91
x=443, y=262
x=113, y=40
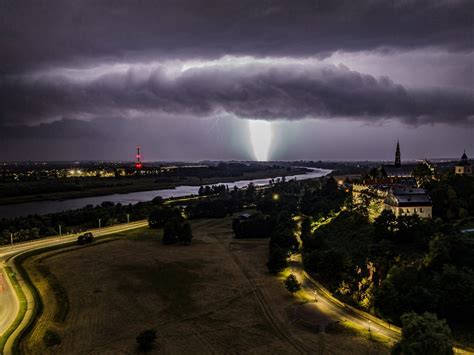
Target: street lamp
x=369, y=324
x=99, y=222
x=128, y=218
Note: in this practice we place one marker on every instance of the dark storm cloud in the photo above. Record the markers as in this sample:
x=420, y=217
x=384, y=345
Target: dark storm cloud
x=166, y=138
x=48, y=33
x=254, y=91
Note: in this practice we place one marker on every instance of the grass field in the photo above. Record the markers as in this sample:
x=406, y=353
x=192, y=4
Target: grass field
x=213, y=296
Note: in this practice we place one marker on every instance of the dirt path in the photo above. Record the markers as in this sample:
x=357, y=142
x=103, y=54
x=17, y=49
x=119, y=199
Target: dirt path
x=266, y=310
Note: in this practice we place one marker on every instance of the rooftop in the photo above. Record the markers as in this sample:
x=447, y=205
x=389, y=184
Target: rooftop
x=408, y=197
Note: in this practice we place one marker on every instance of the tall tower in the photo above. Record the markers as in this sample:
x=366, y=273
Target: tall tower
x=398, y=160
x=138, y=162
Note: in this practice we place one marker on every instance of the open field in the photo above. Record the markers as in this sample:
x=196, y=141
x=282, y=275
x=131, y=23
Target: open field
x=214, y=296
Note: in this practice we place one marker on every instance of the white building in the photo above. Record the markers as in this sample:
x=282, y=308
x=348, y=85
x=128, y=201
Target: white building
x=463, y=167
x=409, y=201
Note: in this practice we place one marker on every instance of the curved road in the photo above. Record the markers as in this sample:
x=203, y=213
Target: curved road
x=326, y=303
x=9, y=303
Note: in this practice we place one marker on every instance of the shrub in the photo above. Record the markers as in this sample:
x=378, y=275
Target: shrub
x=51, y=338
x=146, y=339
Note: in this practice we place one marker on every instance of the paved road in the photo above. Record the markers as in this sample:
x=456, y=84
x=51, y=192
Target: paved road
x=335, y=309
x=9, y=303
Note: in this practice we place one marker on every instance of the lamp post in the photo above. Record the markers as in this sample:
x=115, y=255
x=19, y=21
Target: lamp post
x=99, y=222
x=60, y=231
x=11, y=239
x=369, y=325
x=128, y=218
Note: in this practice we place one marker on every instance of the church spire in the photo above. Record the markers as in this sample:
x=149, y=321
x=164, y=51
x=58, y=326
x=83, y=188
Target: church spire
x=398, y=161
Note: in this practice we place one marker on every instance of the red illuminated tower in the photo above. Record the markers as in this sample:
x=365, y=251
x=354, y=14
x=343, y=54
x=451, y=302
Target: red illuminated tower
x=138, y=162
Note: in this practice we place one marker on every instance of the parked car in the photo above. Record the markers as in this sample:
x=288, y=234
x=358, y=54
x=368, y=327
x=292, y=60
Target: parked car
x=85, y=238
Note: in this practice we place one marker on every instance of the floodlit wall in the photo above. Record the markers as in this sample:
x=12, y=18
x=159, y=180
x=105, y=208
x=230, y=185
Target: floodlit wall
x=421, y=211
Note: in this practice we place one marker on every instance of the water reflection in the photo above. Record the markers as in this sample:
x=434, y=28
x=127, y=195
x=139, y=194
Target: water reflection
x=44, y=207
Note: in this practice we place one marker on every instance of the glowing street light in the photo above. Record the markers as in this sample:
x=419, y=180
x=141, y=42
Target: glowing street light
x=276, y=197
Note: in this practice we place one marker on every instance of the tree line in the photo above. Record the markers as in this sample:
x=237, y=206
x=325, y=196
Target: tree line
x=71, y=221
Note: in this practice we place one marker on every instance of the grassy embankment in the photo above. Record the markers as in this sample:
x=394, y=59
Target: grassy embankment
x=59, y=292
x=21, y=312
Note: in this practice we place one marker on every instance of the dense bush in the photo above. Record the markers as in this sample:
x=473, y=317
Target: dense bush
x=395, y=265
x=257, y=226
x=424, y=334
x=51, y=338
x=162, y=214
x=146, y=339
x=452, y=196
x=209, y=208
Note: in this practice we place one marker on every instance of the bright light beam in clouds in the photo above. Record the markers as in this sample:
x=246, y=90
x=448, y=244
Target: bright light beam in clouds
x=261, y=138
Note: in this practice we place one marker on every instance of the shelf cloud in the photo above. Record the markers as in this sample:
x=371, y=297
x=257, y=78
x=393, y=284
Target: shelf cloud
x=250, y=91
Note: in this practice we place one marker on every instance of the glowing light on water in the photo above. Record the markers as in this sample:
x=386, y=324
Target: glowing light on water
x=261, y=138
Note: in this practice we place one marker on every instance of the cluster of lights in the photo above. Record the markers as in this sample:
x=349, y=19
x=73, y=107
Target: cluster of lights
x=75, y=172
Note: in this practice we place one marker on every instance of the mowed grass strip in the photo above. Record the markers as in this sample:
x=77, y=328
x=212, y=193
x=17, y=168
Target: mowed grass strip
x=59, y=293
x=38, y=308
x=21, y=312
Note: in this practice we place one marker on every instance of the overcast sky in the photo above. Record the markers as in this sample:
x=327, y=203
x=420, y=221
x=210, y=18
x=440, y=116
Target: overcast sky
x=336, y=79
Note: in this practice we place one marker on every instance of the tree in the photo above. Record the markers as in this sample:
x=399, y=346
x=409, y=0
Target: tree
x=439, y=252
x=163, y=214
x=146, y=339
x=256, y=226
x=185, y=234
x=276, y=260
x=424, y=334
x=385, y=225
x=306, y=228
x=170, y=234
x=292, y=284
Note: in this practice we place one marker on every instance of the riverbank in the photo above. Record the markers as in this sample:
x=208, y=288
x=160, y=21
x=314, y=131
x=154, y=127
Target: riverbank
x=128, y=185
x=44, y=207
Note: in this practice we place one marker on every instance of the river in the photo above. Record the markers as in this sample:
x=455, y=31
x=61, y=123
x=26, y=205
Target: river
x=45, y=207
